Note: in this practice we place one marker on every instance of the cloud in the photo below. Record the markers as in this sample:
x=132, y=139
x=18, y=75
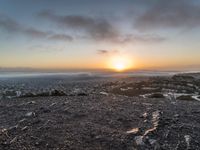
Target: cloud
x=35, y=33
x=8, y=24
x=170, y=14
x=12, y=26
x=145, y=38
x=96, y=28
x=106, y=52
x=60, y=37
x=102, y=52
x=46, y=48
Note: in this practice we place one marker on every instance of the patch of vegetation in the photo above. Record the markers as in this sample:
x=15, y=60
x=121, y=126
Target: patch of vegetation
x=156, y=95
x=57, y=93
x=185, y=97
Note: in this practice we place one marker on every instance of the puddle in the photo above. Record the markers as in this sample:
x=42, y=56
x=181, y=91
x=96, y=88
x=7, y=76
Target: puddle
x=139, y=140
x=149, y=88
x=173, y=96
x=196, y=97
x=187, y=140
x=104, y=93
x=145, y=115
x=134, y=130
x=126, y=89
x=155, y=121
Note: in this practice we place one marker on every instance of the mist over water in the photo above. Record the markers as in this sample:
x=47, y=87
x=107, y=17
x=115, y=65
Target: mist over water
x=88, y=74
x=40, y=74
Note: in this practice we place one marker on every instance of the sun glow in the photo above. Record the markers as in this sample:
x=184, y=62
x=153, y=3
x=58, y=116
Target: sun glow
x=120, y=63
x=119, y=66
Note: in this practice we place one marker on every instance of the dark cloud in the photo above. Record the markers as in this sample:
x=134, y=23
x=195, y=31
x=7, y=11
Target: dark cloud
x=170, y=14
x=96, y=28
x=105, y=52
x=11, y=26
x=102, y=51
x=61, y=37
x=145, y=38
x=46, y=48
x=35, y=33
x=137, y=38
x=8, y=24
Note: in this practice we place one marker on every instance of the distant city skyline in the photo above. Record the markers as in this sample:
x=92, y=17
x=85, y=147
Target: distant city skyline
x=106, y=34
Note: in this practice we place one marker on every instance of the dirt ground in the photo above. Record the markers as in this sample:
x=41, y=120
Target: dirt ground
x=99, y=121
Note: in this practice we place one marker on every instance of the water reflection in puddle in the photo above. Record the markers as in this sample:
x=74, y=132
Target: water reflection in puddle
x=155, y=122
x=134, y=130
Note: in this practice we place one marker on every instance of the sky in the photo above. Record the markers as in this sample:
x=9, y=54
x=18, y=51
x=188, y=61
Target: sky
x=97, y=34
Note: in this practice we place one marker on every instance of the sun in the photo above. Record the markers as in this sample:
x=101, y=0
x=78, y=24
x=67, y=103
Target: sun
x=119, y=66
x=120, y=63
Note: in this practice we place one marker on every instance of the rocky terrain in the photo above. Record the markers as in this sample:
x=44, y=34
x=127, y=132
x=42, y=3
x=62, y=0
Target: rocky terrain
x=98, y=114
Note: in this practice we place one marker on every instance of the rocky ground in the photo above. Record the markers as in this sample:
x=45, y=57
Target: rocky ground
x=101, y=119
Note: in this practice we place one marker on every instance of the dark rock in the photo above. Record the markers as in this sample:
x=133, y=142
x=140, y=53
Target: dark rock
x=45, y=110
x=82, y=94
x=28, y=95
x=57, y=93
x=154, y=144
x=31, y=102
x=43, y=94
x=183, y=77
x=13, y=128
x=139, y=140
